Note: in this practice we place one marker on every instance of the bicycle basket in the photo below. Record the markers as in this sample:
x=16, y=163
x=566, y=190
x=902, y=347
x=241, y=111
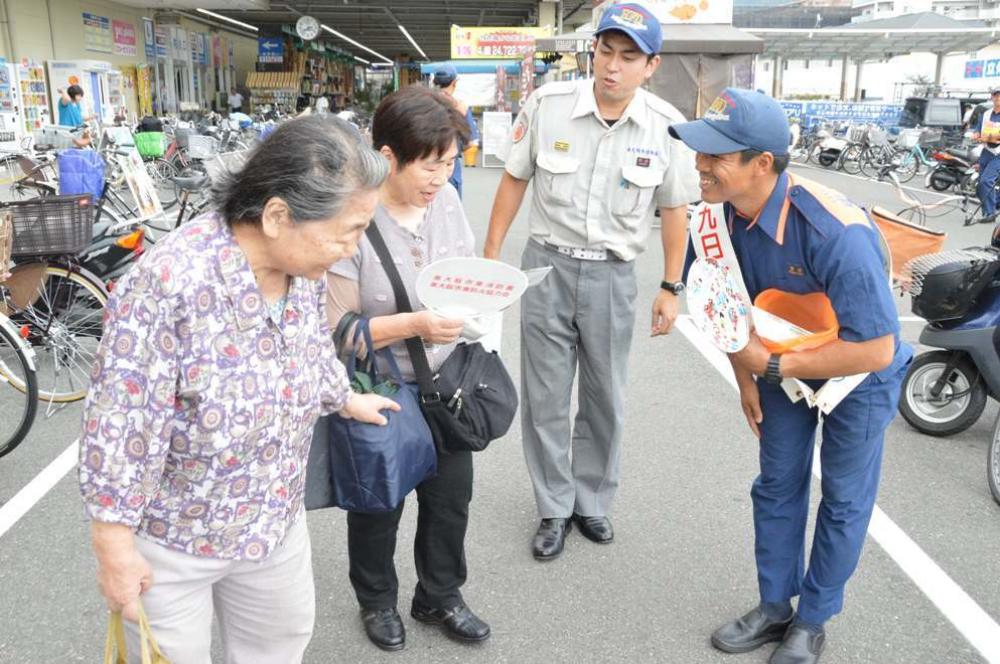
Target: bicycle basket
x=945, y=285
x=182, y=134
x=52, y=225
x=6, y=239
x=908, y=138
x=149, y=144
x=202, y=147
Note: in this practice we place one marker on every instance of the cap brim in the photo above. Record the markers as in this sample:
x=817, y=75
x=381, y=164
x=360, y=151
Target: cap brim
x=704, y=138
x=632, y=34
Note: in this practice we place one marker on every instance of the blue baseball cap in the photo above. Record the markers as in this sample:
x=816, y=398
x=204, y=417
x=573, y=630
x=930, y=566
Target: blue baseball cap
x=444, y=74
x=635, y=21
x=737, y=120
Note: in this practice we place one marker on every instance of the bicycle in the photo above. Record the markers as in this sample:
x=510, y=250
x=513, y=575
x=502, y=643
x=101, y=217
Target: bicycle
x=19, y=397
x=55, y=303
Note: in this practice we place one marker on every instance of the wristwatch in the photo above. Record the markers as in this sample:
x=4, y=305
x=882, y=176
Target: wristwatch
x=773, y=373
x=675, y=287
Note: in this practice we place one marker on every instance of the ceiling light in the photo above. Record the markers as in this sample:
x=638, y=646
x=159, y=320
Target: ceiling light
x=367, y=62
x=226, y=19
x=412, y=41
x=358, y=44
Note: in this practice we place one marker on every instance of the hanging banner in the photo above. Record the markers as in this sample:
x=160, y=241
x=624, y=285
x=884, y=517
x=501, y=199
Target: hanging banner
x=501, y=100
x=527, y=77
x=678, y=11
x=124, y=38
x=97, y=33
x=147, y=37
x=161, y=41
x=216, y=51
x=496, y=43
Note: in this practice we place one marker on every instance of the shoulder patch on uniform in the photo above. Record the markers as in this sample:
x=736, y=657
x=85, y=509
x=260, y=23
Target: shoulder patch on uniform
x=813, y=200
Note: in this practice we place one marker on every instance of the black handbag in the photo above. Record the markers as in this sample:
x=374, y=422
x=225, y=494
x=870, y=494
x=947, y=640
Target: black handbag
x=471, y=401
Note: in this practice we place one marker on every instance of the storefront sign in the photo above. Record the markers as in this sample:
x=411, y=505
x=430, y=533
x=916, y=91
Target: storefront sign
x=147, y=37
x=179, y=44
x=680, y=11
x=499, y=43
x=97, y=33
x=124, y=36
x=270, y=49
x=812, y=112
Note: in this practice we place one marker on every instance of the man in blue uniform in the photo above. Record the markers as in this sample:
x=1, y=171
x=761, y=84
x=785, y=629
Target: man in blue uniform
x=800, y=237
x=988, y=133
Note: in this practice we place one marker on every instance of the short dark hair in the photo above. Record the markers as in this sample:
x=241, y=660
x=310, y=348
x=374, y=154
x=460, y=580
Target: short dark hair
x=417, y=122
x=314, y=163
x=778, y=166
x=74, y=91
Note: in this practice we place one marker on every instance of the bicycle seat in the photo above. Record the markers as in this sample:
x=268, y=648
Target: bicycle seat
x=961, y=153
x=191, y=182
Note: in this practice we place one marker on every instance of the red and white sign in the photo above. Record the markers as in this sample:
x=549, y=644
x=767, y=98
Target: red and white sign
x=124, y=38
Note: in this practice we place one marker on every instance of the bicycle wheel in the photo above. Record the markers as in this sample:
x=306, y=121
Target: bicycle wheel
x=871, y=161
x=850, y=158
x=904, y=164
x=162, y=172
x=18, y=388
x=64, y=323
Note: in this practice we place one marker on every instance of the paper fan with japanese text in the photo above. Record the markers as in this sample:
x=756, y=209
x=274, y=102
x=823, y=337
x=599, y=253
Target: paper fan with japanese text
x=717, y=305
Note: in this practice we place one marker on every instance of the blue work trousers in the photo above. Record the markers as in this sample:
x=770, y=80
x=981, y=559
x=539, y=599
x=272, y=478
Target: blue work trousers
x=851, y=461
x=989, y=171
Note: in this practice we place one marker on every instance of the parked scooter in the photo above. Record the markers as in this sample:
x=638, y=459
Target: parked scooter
x=945, y=391
x=827, y=152
x=956, y=168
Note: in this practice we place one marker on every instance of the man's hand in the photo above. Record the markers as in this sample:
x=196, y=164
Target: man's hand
x=753, y=357
x=491, y=252
x=368, y=408
x=665, y=308
x=750, y=402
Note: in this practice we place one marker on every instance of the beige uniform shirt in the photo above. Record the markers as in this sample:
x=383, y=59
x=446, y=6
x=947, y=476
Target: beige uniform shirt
x=595, y=186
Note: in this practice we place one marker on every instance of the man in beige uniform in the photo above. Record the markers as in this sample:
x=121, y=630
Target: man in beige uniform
x=601, y=159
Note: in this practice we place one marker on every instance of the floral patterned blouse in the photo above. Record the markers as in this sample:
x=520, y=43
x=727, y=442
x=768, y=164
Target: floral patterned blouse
x=199, y=418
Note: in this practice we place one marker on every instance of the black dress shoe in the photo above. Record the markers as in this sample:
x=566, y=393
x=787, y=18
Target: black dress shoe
x=749, y=632
x=459, y=622
x=385, y=628
x=550, y=538
x=800, y=646
x=595, y=528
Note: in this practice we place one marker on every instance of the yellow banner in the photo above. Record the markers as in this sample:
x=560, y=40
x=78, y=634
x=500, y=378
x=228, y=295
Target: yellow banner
x=494, y=43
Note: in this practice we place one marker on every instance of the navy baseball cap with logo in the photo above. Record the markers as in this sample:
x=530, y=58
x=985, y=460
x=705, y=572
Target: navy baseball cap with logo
x=737, y=120
x=635, y=21
x=444, y=74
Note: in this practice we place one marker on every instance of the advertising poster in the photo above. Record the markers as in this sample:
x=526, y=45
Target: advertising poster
x=679, y=11
x=124, y=38
x=97, y=33
x=494, y=43
x=140, y=185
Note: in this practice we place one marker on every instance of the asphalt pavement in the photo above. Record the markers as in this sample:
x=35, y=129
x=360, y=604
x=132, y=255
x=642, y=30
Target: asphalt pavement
x=682, y=561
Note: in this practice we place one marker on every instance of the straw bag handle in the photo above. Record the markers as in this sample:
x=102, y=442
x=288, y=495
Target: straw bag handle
x=114, y=644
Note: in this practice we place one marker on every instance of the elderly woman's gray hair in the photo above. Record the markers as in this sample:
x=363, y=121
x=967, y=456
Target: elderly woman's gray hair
x=314, y=163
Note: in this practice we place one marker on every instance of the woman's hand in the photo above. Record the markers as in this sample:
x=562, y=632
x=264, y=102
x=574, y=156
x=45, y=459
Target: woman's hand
x=122, y=573
x=368, y=408
x=435, y=329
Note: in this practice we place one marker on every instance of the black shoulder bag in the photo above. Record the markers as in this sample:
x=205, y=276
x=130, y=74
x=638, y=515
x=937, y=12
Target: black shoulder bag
x=471, y=401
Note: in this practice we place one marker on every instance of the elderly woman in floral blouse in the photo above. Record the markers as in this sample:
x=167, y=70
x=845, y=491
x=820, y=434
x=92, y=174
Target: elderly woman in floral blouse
x=216, y=362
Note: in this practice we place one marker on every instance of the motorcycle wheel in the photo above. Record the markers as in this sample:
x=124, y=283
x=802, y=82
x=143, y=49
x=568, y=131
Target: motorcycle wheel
x=826, y=160
x=993, y=463
x=959, y=405
x=939, y=182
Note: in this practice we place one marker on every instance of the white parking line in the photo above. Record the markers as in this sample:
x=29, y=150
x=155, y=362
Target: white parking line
x=977, y=626
x=36, y=489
